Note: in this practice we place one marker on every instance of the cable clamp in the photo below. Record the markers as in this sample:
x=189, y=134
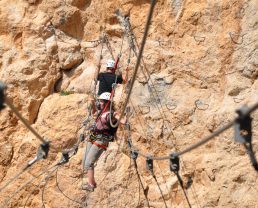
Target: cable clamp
x=189, y=182
x=103, y=39
x=2, y=95
x=44, y=148
x=128, y=62
x=76, y=146
x=243, y=126
x=41, y=154
x=75, y=149
x=65, y=157
x=128, y=126
x=149, y=163
x=134, y=154
x=114, y=85
x=130, y=142
x=84, y=123
x=82, y=138
x=174, y=162
x=243, y=133
x=128, y=109
x=174, y=167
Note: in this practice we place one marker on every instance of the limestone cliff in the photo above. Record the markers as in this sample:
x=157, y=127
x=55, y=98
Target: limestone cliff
x=199, y=65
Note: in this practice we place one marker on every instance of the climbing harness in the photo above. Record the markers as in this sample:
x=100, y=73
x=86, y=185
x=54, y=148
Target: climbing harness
x=91, y=139
x=102, y=137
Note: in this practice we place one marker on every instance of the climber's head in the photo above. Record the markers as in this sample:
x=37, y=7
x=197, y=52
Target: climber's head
x=110, y=65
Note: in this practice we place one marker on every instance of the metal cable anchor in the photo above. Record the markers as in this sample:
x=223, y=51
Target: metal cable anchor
x=41, y=154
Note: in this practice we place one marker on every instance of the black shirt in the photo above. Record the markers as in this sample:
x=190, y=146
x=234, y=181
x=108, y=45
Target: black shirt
x=106, y=79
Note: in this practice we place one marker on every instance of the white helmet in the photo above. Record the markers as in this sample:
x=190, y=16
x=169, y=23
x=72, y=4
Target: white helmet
x=105, y=96
x=110, y=63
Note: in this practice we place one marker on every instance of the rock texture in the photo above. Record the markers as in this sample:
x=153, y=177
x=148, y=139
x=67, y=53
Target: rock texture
x=199, y=65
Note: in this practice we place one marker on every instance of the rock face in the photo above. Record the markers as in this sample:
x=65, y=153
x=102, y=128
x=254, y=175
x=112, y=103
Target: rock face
x=199, y=65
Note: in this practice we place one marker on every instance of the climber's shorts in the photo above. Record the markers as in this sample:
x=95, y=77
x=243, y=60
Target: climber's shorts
x=92, y=154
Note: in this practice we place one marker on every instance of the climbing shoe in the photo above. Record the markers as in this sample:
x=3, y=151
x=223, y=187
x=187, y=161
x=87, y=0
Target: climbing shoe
x=88, y=187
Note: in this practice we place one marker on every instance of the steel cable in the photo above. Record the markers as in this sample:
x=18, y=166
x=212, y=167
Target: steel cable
x=14, y=178
x=182, y=186
x=139, y=57
x=24, y=185
x=140, y=181
x=202, y=141
x=44, y=179
x=161, y=193
x=57, y=184
x=24, y=121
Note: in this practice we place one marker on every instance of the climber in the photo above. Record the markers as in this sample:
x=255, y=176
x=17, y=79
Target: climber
x=107, y=78
x=100, y=135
